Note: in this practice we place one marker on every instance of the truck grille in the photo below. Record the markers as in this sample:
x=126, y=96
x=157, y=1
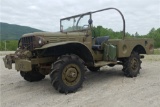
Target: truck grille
x=28, y=42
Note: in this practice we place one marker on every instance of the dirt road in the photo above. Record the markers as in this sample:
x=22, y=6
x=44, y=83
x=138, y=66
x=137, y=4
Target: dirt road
x=107, y=88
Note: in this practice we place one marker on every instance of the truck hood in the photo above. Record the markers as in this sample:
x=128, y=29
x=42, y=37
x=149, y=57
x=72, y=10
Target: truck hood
x=53, y=34
x=54, y=37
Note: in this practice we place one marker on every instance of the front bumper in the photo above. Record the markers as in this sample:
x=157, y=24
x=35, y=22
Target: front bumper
x=20, y=64
x=7, y=61
x=25, y=64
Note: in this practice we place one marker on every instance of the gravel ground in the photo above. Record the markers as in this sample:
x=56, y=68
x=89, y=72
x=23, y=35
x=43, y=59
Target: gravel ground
x=108, y=87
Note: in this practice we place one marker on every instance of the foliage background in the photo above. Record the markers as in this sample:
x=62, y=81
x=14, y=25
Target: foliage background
x=153, y=33
x=10, y=35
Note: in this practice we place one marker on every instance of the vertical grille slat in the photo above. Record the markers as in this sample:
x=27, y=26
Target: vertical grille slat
x=28, y=42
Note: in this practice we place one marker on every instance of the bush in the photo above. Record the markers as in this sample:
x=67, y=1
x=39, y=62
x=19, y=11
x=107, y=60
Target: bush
x=11, y=45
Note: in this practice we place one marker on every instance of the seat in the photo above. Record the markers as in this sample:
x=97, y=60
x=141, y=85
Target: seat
x=99, y=41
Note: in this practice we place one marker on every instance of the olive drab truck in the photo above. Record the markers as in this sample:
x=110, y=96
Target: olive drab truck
x=68, y=54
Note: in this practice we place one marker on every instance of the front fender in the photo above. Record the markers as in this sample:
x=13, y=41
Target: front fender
x=69, y=47
x=56, y=44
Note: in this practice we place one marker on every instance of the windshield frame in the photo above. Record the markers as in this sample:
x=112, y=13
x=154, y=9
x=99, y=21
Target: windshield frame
x=90, y=13
x=80, y=16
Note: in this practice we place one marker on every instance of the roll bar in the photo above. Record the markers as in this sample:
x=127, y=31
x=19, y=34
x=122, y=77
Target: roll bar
x=119, y=13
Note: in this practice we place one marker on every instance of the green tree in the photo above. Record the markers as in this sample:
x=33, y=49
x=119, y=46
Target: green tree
x=136, y=34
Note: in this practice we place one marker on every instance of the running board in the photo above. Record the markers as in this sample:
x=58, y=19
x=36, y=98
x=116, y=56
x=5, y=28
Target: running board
x=103, y=63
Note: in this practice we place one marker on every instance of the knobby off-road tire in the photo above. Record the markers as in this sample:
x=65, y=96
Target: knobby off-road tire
x=67, y=74
x=94, y=69
x=132, y=65
x=32, y=76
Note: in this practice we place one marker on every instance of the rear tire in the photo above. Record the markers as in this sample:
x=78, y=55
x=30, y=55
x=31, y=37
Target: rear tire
x=132, y=65
x=32, y=76
x=67, y=74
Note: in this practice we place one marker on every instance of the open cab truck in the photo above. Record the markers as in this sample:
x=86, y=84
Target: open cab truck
x=66, y=55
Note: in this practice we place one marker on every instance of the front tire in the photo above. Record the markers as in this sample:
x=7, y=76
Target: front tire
x=32, y=76
x=132, y=65
x=67, y=74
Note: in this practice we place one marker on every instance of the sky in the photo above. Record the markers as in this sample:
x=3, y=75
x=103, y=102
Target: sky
x=140, y=15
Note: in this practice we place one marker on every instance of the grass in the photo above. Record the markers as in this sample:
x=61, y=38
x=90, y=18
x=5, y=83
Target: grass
x=157, y=51
x=11, y=45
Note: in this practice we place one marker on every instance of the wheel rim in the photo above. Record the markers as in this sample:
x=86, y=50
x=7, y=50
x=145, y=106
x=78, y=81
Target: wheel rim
x=71, y=75
x=134, y=64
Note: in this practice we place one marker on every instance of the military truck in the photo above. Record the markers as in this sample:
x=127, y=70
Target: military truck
x=68, y=54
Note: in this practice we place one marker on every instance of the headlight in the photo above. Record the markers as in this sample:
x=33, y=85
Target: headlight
x=40, y=41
